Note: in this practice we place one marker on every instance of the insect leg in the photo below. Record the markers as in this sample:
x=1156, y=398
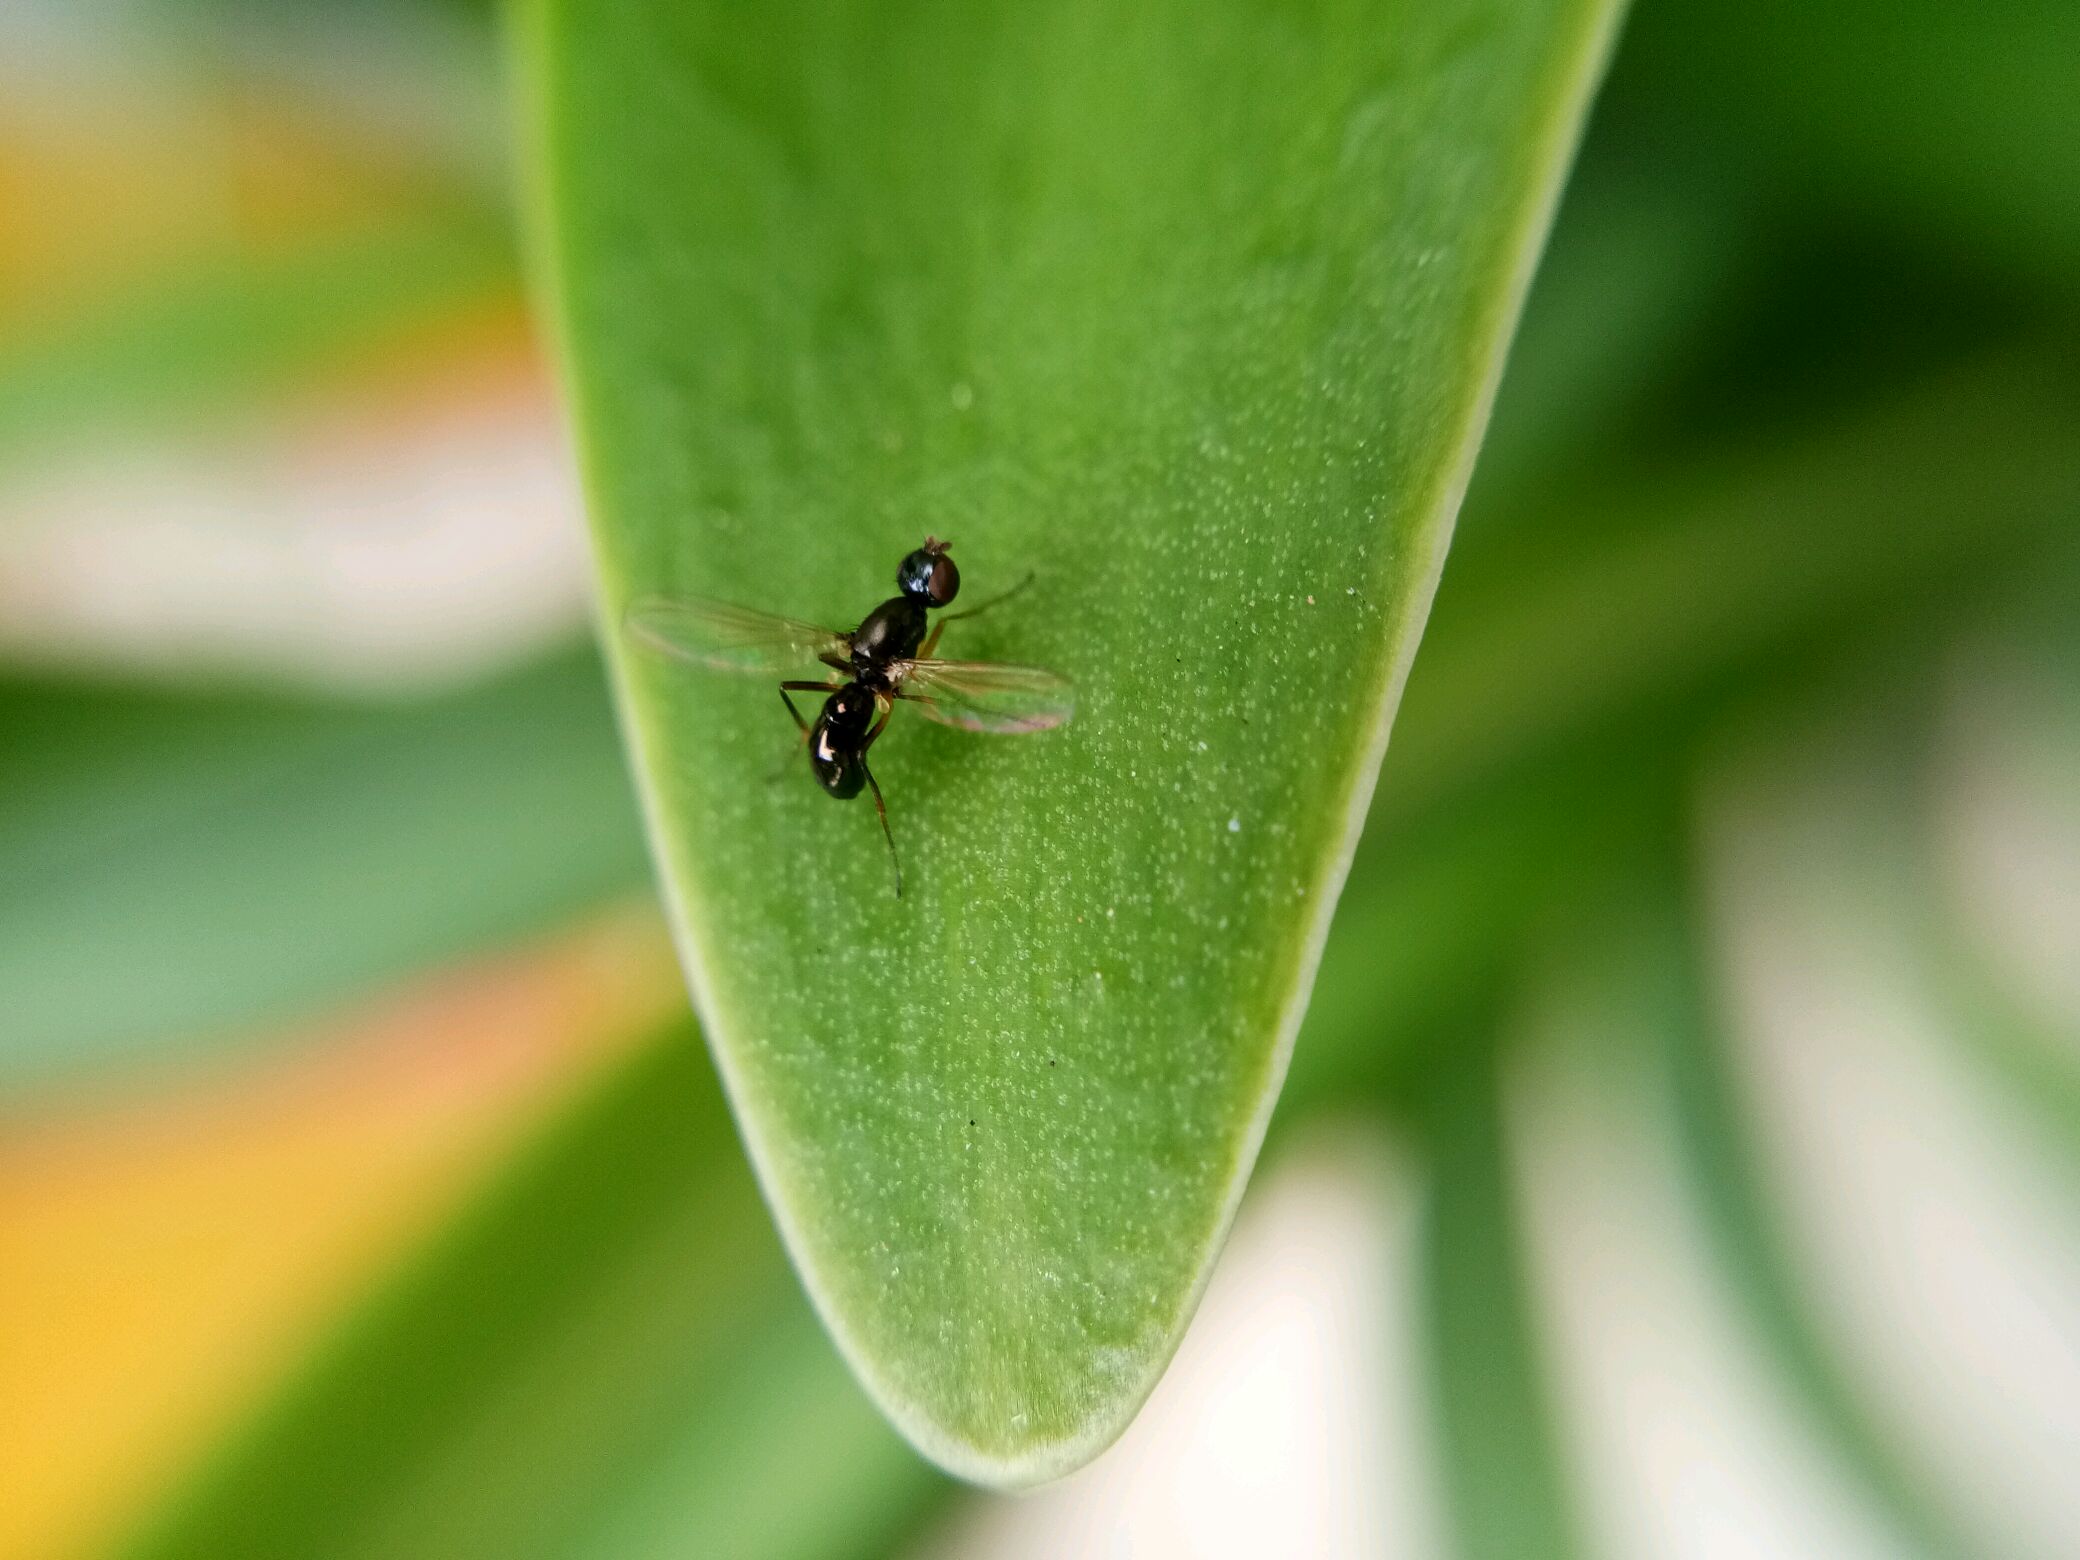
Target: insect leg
x=780, y=769
x=887, y=833
x=888, y=708
x=801, y=725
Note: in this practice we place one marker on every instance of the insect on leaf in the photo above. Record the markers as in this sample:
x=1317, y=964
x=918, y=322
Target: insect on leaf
x=1194, y=310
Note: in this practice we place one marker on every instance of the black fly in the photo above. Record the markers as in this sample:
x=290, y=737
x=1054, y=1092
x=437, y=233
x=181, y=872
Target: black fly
x=886, y=660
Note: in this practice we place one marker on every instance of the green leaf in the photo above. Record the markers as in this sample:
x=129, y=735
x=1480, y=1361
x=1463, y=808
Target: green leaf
x=215, y=328
x=1194, y=310
x=1749, y=1240
x=247, y=861
x=1501, y=1455
x=603, y=1357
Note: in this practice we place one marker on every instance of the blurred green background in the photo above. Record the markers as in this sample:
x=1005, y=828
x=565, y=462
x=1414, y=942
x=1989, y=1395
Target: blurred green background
x=1679, y=1156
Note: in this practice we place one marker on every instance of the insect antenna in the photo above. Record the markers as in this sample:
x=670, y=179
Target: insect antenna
x=995, y=601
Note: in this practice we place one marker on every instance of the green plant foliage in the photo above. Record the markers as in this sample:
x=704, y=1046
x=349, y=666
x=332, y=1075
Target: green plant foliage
x=246, y=861
x=1915, y=112
x=215, y=329
x=1468, y=857
x=1195, y=311
x=1749, y=1242
x=1502, y=1471
x=604, y=1357
x=1794, y=395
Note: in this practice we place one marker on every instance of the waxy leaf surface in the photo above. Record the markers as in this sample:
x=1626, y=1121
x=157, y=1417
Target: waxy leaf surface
x=1192, y=310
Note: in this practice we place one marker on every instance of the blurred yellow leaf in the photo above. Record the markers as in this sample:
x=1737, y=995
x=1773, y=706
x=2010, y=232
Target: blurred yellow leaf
x=170, y=1257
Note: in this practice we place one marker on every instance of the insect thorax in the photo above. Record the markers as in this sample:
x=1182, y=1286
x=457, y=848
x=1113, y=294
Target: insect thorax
x=891, y=632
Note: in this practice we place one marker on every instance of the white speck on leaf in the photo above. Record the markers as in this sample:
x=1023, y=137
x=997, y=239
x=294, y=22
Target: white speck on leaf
x=1234, y=825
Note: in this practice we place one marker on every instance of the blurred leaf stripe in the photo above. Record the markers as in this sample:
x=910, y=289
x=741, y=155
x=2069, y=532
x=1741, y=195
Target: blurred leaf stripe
x=1715, y=1141
x=732, y=1469
x=208, y=331
x=2025, y=1045
x=570, y=1344
x=1503, y=1470
x=1721, y=559
x=2029, y=1056
x=243, y=862
x=168, y=1259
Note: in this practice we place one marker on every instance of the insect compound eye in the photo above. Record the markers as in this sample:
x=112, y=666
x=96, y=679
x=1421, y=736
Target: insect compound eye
x=914, y=573
x=928, y=575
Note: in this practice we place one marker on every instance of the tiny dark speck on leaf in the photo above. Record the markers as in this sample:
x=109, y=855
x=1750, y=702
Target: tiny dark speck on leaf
x=971, y=1121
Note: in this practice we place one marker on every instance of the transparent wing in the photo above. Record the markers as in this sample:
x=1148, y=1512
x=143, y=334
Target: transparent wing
x=727, y=638
x=987, y=696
